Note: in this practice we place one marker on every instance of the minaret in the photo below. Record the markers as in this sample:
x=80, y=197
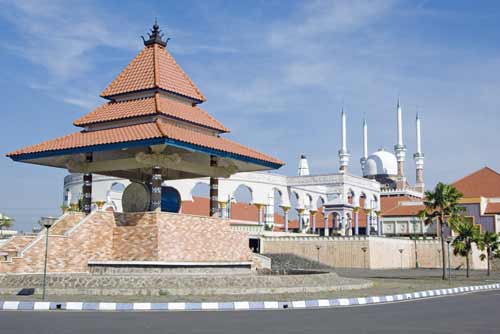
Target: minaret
x=365, y=146
x=303, y=166
x=419, y=159
x=400, y=148
x=343, y=153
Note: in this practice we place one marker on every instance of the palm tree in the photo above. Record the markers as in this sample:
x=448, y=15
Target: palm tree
x=441, y=205
x=467, y=234
x=5, y=222
x=489, y=241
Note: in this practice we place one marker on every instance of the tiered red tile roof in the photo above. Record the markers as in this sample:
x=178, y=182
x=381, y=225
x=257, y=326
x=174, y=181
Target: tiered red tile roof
x=153, y=68
x=392, y=206
x=151, y=130
x=153, y=72
x=492, y=208
x=484, y=182
x=151, y=106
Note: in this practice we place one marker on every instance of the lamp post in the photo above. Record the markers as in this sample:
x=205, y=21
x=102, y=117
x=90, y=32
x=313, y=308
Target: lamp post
x=401, y=253
x=415, y=241
x=318, y=247
x=448, y=241
x=47, y=222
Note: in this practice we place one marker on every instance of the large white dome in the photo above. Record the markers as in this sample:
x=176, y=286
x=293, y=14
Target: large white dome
x=381, y=163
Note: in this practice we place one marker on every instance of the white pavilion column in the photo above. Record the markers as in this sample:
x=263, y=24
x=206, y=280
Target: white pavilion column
x=285, y=212
x=379, y=224
x=325, y=221
x=156, y=181
x=259, y=212
x=368, y=221
x=312, y=214
x=301, y=215
x=356, y=222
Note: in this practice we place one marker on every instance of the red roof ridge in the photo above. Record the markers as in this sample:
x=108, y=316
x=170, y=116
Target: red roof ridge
x=185, y=75
x=485, y=168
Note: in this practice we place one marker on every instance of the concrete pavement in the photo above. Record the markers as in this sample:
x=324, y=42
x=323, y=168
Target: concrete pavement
x=471, y=313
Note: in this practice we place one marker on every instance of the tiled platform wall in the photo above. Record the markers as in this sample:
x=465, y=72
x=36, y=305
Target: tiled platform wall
x=104, y=236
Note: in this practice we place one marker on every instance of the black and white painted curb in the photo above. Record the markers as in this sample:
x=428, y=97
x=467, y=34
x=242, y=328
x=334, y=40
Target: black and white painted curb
x=236, y=306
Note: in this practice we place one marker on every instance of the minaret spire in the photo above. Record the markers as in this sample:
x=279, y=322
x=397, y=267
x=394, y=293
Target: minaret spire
x=343, y=152
x=365, y=145
x=400, y=148
x=419, y=158
x=303, y=166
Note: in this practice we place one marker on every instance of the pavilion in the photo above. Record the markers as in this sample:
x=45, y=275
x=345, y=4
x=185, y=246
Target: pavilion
x=150, y=130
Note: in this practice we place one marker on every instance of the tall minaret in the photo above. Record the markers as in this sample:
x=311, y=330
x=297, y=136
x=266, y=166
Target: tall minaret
x=400, y=148
x=419, y=159
x=365, y=146
x=343, y=152
x=303, y=166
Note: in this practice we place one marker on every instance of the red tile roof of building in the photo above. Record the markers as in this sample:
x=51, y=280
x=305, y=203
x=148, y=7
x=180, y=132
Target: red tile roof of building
x=152, y=68
x=157, y=129
x=391, y=206
x=484, y=182
x=150, y=106
x=492, y=208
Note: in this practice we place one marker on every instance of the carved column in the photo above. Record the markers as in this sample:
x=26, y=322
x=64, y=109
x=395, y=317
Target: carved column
x=368, y=221
x=300, y=213
x=259, y=212
x=325, y=222
x=356, y=221
x=223, y=209
x=285, y=212
x=214, y=188
x=313, y=220
x=156, y=181
x=379, y=224
x=87, y=188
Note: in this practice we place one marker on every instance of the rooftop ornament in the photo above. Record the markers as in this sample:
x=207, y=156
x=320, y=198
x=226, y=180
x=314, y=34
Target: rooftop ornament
x=155, y=36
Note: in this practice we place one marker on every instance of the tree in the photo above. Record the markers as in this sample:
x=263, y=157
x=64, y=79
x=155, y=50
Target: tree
x=5, y=222
x=490, y=242
x=441, y=205
x=467, y=234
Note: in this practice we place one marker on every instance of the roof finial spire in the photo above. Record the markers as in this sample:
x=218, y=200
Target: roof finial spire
x=155, y=36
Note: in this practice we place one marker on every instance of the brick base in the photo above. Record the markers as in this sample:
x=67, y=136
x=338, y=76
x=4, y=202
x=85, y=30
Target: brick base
x=149, y=236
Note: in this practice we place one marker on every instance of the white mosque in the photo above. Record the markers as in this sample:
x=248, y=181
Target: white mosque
x=338, y=203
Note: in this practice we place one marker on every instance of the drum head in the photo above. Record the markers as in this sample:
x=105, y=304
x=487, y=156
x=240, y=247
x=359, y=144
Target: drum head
x=136, y=198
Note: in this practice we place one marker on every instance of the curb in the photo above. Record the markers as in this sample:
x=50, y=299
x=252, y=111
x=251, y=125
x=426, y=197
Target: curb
x=239, y=305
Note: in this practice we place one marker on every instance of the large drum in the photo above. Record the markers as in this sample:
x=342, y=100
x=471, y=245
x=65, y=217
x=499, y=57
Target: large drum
x=136, y=198
x=170, y=200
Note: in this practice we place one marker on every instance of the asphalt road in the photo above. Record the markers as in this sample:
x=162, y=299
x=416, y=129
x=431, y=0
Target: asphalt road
x=471, y=313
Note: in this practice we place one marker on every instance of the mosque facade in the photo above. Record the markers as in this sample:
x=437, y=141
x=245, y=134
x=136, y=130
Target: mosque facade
x=339, y=203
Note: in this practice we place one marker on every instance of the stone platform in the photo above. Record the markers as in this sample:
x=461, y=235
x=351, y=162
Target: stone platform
x=179, y=285
x=75, y=241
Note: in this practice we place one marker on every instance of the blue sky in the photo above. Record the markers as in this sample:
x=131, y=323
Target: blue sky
x=275, y=72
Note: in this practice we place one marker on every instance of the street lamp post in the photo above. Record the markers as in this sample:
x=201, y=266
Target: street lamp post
x=47, y=222
x=318, y=247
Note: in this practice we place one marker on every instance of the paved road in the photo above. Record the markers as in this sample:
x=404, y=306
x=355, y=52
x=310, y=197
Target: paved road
x=472, y=313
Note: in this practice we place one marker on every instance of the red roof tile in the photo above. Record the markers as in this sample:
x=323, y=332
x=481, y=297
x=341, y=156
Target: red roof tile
x=492, y=208
x=392, y=206
x=158, y=129
x=150, y=106
x=484, y=182
x=153, y=67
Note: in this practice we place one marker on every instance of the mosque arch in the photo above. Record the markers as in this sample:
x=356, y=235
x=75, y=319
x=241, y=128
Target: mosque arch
x=243, y=194
x=117, y=187
x=201, y=189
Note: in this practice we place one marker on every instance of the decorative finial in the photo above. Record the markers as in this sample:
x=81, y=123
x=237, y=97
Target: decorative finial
x=155, y=36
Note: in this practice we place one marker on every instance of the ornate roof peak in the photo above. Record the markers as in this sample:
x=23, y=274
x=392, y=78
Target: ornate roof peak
x=155, y=36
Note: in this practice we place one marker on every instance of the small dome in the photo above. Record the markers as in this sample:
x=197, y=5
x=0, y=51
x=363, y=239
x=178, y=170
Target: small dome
x=381, y=163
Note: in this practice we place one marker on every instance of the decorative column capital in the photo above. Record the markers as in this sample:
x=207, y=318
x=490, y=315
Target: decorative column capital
x=300, y=211
x=313, y=212
x=285, y=208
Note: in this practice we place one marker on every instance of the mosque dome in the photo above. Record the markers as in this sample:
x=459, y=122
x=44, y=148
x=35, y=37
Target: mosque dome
x=381, y=163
